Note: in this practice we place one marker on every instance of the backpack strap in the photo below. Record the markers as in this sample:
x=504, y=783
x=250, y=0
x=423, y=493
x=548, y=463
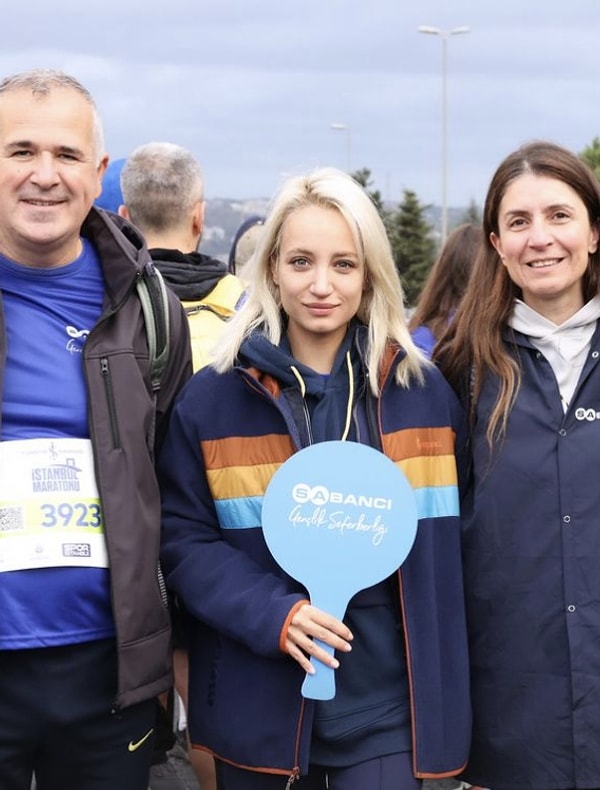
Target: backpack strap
x=152, y=293
x=197, y=308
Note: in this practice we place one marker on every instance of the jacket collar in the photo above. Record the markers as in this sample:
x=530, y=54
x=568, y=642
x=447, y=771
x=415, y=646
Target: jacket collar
x=121, y=248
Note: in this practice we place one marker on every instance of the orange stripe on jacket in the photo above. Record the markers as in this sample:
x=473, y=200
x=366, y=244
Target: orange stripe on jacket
x=246, y=450
x=416, y=442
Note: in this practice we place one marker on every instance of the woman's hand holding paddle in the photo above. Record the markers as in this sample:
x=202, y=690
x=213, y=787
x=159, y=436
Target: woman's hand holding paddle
x=309, y=624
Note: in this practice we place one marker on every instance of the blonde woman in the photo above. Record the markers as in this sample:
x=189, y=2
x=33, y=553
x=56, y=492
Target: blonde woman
x=319, y=351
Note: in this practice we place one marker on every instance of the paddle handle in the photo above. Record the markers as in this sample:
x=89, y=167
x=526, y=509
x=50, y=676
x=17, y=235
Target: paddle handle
x=321, y=685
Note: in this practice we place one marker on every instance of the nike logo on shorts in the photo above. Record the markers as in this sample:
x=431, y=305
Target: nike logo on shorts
x=133, y=747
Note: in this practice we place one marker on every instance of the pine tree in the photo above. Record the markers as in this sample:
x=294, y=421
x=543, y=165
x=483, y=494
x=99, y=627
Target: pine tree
x=591, y=156
x=472, y=215
x=410, y=235
x=363, y=177
x=412, y=244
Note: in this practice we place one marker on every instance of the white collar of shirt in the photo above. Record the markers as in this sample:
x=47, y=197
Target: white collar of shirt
x=565, y=346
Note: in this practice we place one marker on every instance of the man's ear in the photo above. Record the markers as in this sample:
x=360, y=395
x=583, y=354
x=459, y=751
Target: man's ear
x=100, y=172
x=122, y=211
x=198, y=218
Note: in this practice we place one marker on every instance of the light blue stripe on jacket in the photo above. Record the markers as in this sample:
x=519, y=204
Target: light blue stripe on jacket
x=245, y=512
x=437, y=501
x=239, y=512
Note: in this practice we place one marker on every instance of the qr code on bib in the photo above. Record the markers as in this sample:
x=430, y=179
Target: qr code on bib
x=11, y=518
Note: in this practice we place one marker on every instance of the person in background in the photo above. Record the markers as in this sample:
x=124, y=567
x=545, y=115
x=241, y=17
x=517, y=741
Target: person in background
x=244, y=244
x=445, y=286
x=111, y=196
x=85, y=632
x=524, y=351
x=319, y=351
x=163, y=196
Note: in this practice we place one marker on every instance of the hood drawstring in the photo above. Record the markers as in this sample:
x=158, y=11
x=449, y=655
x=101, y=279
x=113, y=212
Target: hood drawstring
x=299, y=379
x=350, y=397
x=349, y=404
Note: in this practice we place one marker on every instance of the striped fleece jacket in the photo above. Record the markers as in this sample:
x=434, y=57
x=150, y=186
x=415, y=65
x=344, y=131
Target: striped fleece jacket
x=228, y=435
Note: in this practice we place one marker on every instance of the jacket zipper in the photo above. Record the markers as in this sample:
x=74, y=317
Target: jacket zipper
x=106, y=375
x=308, y=422
x=162, y=586
x=110, y=399
x=257, y=387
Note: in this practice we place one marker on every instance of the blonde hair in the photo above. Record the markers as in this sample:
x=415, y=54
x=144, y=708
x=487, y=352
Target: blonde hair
x=382, y=305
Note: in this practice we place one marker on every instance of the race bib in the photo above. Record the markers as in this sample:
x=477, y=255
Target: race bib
x=50, y=514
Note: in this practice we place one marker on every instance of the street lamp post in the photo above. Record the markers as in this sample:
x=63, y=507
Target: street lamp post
x=344, y=127
x=444, y=35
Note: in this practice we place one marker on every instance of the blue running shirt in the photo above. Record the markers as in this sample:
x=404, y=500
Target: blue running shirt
x=48, y=315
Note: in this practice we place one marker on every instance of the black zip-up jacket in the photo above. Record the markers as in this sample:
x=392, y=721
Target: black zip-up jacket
x=121, y=422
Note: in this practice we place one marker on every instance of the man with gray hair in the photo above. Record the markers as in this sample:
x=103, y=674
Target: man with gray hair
x=84, y=631
x=163, y=196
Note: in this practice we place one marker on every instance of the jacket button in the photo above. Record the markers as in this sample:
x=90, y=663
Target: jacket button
x=562, y=432
x=567, y=519
x=571, y=608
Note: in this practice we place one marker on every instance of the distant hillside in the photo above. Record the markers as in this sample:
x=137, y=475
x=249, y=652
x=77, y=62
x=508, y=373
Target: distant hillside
x=223, y=217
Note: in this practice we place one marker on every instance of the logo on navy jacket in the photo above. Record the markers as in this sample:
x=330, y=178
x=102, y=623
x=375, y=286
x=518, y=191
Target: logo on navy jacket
x=587, y=414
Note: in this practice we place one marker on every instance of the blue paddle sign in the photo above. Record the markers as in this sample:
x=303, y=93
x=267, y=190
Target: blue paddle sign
x=339, y=517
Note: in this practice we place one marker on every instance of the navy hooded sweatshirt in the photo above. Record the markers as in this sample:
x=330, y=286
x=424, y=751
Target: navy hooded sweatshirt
x=369, y=716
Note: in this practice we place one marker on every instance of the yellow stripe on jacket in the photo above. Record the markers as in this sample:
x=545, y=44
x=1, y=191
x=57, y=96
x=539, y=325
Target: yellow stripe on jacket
x=426, y=456
x=260, y=456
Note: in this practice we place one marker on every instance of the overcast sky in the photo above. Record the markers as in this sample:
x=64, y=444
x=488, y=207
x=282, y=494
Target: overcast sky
x=253, y=86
